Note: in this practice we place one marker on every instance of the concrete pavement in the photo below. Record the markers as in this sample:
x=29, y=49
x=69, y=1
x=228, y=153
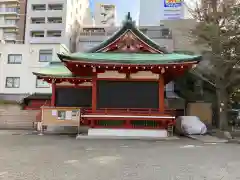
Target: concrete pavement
x=30, y=157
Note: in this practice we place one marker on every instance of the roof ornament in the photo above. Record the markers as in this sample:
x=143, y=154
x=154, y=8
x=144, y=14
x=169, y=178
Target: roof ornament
x=128, y=19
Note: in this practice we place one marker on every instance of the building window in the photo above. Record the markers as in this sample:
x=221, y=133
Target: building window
x=12, y=9
x=42, y=84
x=12, y=82
x=38, y=20
x=10, y=21
x=14, y=59
x=37, y=33
x=54, y=33
x=54, y=20
x=166, y=32
x=55, y=7
x=45, y=55
x=39, y=7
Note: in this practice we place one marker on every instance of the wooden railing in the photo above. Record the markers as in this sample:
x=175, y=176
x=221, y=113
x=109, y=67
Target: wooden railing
x=131, y=118
x=135, y=111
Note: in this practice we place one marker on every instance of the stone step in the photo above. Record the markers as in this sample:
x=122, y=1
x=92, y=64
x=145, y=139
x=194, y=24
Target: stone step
x=127, y=138
x=128, y=133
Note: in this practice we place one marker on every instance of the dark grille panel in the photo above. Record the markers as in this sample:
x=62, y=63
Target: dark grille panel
x=125, y=94
x=74, y=97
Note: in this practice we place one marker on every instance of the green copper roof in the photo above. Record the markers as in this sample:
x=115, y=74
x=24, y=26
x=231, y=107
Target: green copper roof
x=54, y=69
x=129, y=58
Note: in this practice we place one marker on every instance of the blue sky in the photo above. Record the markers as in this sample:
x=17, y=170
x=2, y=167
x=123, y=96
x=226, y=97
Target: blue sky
x=123, y=6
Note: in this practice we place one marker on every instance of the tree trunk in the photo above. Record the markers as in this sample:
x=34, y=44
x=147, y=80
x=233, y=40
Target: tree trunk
x=222, y=97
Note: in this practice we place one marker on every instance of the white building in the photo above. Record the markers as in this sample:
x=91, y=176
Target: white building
x=18, y=61
x=105, y=15
x=52, y=21
x=9, y=15
x=151, y=14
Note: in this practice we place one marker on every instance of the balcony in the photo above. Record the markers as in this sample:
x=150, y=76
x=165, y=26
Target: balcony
x=9, y=11
x=11, y=26
x=9, y=1
x=11, y=16
x=10, y=38
x=54, y=20
x=96, y=32
x=55, y=7
x=8, y=23
x=93, y=34
x=10, y=30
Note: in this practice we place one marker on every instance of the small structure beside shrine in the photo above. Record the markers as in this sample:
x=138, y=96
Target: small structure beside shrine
x=118, y=85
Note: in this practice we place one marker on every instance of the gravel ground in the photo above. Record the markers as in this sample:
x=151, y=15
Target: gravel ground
x=32, y=157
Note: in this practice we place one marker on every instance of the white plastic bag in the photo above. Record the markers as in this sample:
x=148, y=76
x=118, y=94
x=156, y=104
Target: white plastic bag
x=192, y=125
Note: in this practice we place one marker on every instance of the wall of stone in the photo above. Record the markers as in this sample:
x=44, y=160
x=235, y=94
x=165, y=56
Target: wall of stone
x=12, y=117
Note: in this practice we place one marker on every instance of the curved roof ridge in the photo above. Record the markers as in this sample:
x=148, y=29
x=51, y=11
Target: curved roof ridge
x=128, y=24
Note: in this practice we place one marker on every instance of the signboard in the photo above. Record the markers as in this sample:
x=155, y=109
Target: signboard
x=172, y=3
x=173, y=9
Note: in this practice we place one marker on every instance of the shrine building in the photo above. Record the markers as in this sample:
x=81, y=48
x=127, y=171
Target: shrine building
x=119, y=84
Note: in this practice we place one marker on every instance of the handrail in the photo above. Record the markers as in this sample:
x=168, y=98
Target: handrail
x=130, y=110
x=138, y=115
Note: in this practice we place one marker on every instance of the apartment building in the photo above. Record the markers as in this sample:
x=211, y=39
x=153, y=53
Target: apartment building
x=18, y=61
x=12, y=21
x=52, y=21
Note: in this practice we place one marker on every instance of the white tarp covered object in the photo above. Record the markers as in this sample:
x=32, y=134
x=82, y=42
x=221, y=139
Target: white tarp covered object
x=190, y=125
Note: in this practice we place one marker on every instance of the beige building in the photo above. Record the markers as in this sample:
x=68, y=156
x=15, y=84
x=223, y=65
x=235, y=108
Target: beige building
x=183, y=40
x=12, y=20
x=53, y=21
x=175, y=35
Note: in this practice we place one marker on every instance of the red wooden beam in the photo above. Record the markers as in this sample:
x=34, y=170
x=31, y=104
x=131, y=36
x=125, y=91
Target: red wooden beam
x=94, y=93
x=53, y=99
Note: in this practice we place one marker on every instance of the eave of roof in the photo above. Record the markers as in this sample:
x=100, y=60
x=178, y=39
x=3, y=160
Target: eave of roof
x=54, y=69
x=129, y=58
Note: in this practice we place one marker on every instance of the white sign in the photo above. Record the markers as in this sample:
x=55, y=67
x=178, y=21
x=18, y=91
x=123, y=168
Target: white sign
x=68, y=115
x=54, y=112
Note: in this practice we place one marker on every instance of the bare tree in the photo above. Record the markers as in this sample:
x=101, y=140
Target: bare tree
x=76, y=28
x=219, y=29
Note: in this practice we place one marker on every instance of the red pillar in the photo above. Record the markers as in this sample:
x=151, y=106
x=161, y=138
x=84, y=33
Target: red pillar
x=53, y=99
x=94, y=94
x=161, y=94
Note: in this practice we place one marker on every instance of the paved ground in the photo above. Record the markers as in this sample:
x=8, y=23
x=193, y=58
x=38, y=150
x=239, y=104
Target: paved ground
x=31, y=157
